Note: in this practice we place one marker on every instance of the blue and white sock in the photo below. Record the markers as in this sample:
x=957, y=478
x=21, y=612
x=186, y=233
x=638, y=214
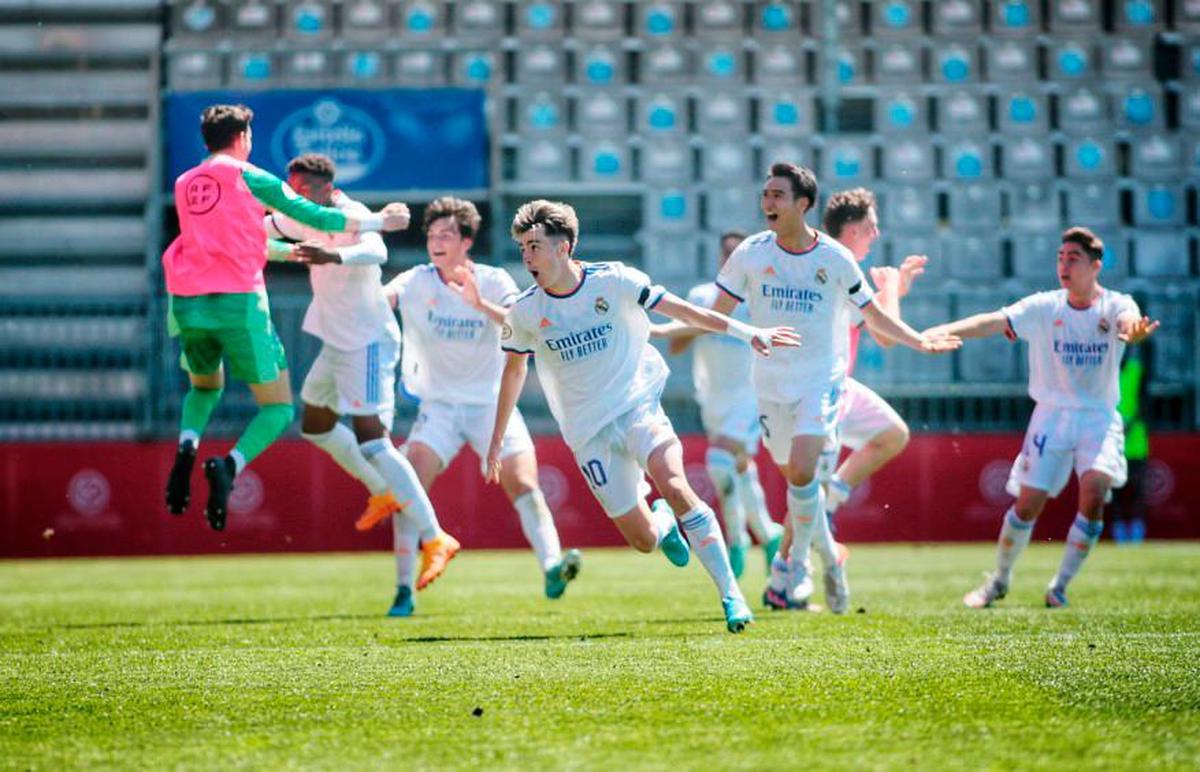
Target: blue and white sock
x=405, y=485
x=1014, y=537
x=722, y=468
x=805, y=504
x=836, y=493
x=1081, y=539
x=754, y=503
x=704, y=534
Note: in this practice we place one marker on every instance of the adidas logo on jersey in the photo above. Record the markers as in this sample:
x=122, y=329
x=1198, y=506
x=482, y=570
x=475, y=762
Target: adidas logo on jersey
x=770, y=271
x=545, y=323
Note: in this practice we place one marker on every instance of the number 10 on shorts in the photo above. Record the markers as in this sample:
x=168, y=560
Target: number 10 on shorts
x=593, y=471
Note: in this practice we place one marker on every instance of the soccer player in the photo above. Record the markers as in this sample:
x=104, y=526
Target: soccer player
x=1076, y=336
x=587, y=326
x=866, y=423
x=452, y=309
x=795, y=275
x=218, y=300
x=354, y=375
x=721, y=368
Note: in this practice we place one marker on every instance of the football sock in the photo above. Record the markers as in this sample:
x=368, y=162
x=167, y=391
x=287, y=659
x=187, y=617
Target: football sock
x=722, y=468
x=754, y=504
x=824, y=543
x=266, y=426
x=537, y=523
x=1081, y=538
x=779, y=573
x=342, y=446
x=662, y=519
x=197, y=409
x=836, y=493
x=805, y=503
x=704, y=534
x=405, y=485
x=1014, y=537
x=405, y=547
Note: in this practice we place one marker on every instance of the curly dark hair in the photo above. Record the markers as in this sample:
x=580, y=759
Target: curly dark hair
x=845, y=207
x=313, y=165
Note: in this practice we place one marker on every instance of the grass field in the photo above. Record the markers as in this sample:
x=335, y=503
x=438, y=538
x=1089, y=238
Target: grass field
x=288, y=662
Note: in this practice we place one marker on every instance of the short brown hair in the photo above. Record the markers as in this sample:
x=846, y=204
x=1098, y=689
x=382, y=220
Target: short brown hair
x=804, y=182
x=220, y=124
x=734, y=234
x=553, y=217
x=463, y=212
x=846, y=207
x=1090, y=242
x=313, y=165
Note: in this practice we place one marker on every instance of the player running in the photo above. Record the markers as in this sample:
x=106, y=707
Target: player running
x=795, y=275
x=1076, y=337
x=452, y=309
x=354, y=375
x=218, y=299
x=587, y=325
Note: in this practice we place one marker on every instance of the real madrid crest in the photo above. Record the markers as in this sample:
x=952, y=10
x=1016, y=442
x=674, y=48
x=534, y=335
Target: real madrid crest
x=1104, y=326
x=822, y=276
x=601, y=305
x=505, y=331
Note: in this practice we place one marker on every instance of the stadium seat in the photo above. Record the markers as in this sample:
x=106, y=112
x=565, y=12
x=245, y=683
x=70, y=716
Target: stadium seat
x=363, y=66
x=719, y=20
x=671, y=210
x=721, y=64
x=673, y=257
x=727, y=162
x=782, y=19
x=308, y=20
x=666, y=162
x=1190, y=66
x=195, y=70
x=1076, y=16
x=605, y=161
x=901, y=113
x=1138, y=107
x=1034, y=255
x=598, y=20
x=252, y=68
x=1027, y=158
x=922, y=308
x=1116, y=251
x=662, y=113
x=541, y=20
x=543, y=160
x=1159, y=204
x=850, y=65
x=1033, y=206
x=1174, y=348
x=992, y=360
x=907, y=208
x=539, y=64
x=474, y=68
x=599, y=112
x=366, y=21
x=479, y=21
x=962, y=112
x=659, y=20
x=1011, y=61
x=899, y=63
x=254, y=20
x=957, y=18
x=723, y=113
x=1160, y=253
x=668, y=64
x=781, y=65
x=1157, y=157
x=733, y=207
x=1187, y=18
x=421, y=67
x=1137, y=15
x=1189, y=108
x=308, y=68
x=1128, y=59
x=895, y=245
x=1082, y=110
x=1071, y=59
x=196, y=19
x=908, y=160
x=967, y=159
x=974, y=205
x=1016, y=18
x=1093, y=201
x=601, y=65
x=422, y=21
x=896, y=19
x=972, y=254
x=786, y=114
x=87, y=88
x=541, y=113
x=1022, y=112
x=1089, y=157
x=847, y=162
x=956, y=64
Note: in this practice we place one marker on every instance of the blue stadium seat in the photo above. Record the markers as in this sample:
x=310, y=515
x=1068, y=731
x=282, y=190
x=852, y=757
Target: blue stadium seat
x=908, y=160
x=366, y=20
x=721, y=64
x=727, y=162
x=539, y=64
x=659, y=20
x=899, y=63
x=733, y=207
x=1022, y=112
x=473, y=68
x=1089, y=156
x=1027, y=158
x=1072, y=59
x=600, y=112
x=847, y=162
x=907, y=208
x=785, y=150
x=541, y=113
x=195, y=70
x=479, y=21
x=974, y=205
x=972, y=254
x=1076, y=16
x=258, y=19
x=1034, y=255
x=896, y=19
x=662, y=114
x=781, y=65
x=1128, y=59
x=252, y=68
x=422, y=21
x=1157, y=157
x=197, y=19
x=962, y=112
x=1011, y=61
x=666, y=162
x=670, y=210
x=719, y=20
x=601, y=65
x=543, y=160
x=901, y=112
x=421, y=67
x=850, y=66
x=1137, y=15
x=666, y=64
x=1139, y=107
x=786, y=114
x=1083, y=110
x=956, y=64
x=605, y=161
x=1160, y=253
x=1018, y=18
x=779, y=19
x=957, y=18
x=1092, y=202
x=1116, y=252
x=967, y=160
x=1033, y=206
x=992, y=360
x=723, y=113
x=1159, y=204
x=598, y=20
x=540, y=20
x=1189, y=108
x=363, y=66
x=308, y=20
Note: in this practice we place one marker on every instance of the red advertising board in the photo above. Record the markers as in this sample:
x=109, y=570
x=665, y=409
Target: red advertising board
x=107, y=499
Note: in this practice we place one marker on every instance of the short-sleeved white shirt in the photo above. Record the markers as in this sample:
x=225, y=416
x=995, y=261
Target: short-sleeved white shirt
x=812, y=292
x=451, y=350
x=1074, y=353
x=590, y=346
x=348, y=310
x=722, y=366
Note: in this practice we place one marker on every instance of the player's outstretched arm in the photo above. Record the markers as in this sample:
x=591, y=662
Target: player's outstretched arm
x=280, y=251
x=884, y=323
x=977, y=326
x=679, y=336
x=760, y=338
x=275, y=194
x=462, y=281
x=512, y=380
x=891, y=284
x=1133, y=329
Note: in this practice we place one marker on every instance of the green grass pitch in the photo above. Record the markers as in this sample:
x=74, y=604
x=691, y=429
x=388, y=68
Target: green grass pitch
x=287, y=661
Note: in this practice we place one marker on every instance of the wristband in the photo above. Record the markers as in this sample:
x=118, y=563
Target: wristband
x=370, y=222
x=742, y=331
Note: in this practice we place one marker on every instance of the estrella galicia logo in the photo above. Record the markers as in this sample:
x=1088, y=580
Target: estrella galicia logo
x=601, y=305
x=351, y=137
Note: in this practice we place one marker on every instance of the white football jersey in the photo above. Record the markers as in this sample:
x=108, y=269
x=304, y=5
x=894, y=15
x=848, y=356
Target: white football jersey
x=591, y=346
x=722, y=366
x=451, y=350
x=1074, y=353
x=812, y=292
x=348, y=310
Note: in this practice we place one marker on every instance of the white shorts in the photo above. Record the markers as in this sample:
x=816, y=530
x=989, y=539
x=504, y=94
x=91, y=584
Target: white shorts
x=1061, y=439
x=814, y=414
x=358, y=382
x=444, y=427
x=614, y=461
x=736, y=419
x=863, y=416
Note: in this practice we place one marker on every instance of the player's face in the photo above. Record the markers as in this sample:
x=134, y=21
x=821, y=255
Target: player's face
x=784, y=212
x=446, y=245
x=545, y=257
x=859, y=236
x=316, y=189
x=1077, y=272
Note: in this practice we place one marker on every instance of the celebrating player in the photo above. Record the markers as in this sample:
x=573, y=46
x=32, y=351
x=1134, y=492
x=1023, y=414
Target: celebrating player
x=452, y=309
x=587, y=326
x=354, y=375
x=218, y=299
x=793, y=274
x=1076, y=337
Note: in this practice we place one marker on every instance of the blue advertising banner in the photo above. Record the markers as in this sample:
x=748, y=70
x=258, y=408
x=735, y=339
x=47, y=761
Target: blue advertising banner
x=397, y=139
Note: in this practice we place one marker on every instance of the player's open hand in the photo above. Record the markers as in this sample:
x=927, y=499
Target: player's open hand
x=315, y=253
x=493, y=464
x=1138, y=330
x=462, y=281
x=774, y=336
x=886, y=279
x=912, y=267
x=934, y=341
x=395, y=216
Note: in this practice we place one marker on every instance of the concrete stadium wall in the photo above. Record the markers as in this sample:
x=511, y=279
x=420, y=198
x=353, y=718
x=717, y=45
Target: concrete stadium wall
x=91, y=499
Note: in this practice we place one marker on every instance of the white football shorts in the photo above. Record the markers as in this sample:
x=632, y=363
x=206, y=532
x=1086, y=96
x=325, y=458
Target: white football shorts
x=357, y=382
x=614, y=461
x=1061, y=439
x=814, y=414
x=445, y=427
